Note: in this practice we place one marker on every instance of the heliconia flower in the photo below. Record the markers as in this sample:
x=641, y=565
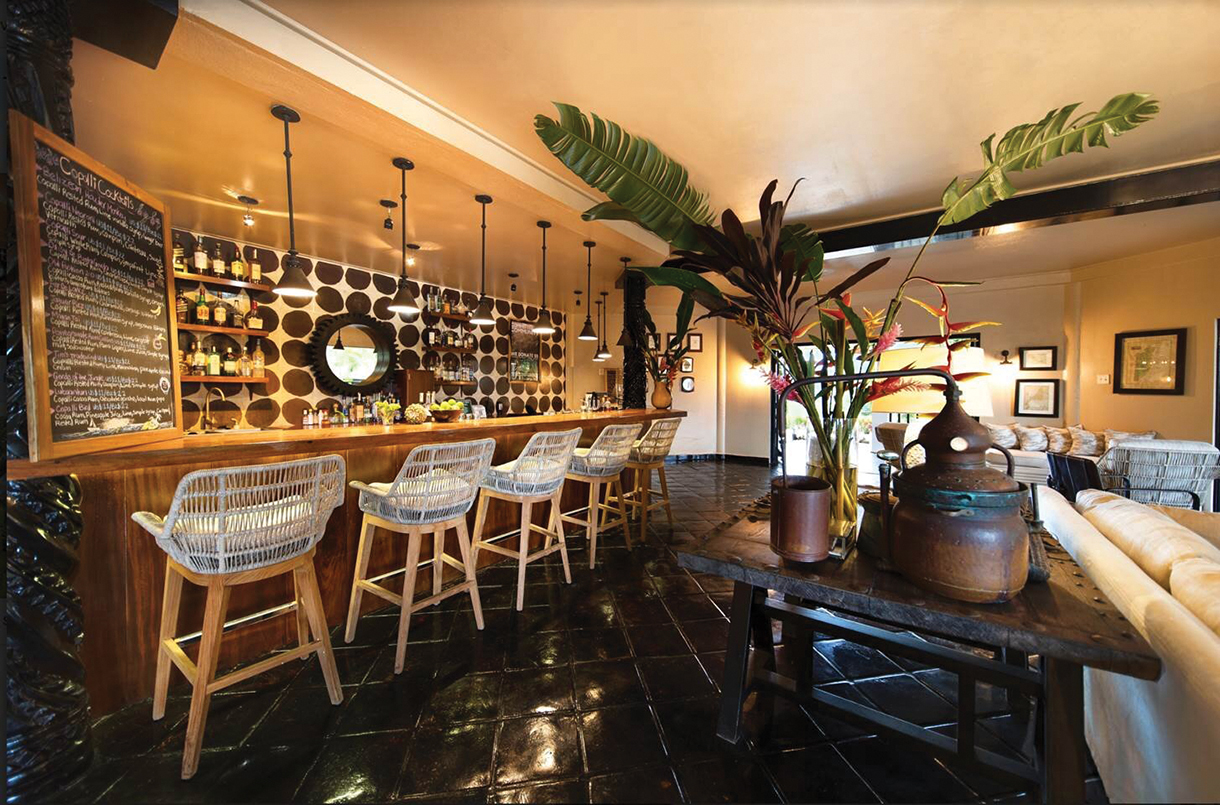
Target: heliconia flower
x=834, y=312
x=887, y=339
x=894, y=385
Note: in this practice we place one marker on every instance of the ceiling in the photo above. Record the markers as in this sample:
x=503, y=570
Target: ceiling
x=876, y=104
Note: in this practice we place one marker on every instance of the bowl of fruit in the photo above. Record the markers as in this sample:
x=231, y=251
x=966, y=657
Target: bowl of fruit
x=447, y=411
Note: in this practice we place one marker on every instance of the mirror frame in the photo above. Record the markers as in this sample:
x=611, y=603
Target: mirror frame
x=383, y=337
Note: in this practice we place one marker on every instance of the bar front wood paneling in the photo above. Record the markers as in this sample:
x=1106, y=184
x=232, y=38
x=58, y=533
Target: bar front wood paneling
x=123, y=571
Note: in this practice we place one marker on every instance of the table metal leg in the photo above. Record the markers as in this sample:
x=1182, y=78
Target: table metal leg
x=735, y=684
x=1019, y=659
x=1063, y=755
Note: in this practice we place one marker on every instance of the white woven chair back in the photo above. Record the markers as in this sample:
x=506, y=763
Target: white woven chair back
x=609, y=452
x=437, y=482
x=541, y=467
x=241, y=518
x=1162, y=464
x=657, y=441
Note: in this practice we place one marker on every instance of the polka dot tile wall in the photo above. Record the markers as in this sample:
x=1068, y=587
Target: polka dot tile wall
x=290, y=389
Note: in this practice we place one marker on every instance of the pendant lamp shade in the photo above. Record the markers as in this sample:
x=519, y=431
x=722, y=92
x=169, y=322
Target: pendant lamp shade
x=483, y=313
x=588, y=333
x=624, y=339
x=293, y=281
x=404, y=301
x=543, y=326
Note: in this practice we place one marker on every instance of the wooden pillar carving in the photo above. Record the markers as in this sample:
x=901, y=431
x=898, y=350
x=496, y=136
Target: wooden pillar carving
x=635, y=371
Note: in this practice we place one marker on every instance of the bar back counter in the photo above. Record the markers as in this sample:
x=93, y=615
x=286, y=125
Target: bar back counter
x=122, y=570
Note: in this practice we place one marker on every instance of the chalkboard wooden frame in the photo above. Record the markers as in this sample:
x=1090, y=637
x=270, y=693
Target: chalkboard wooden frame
x=24, y=134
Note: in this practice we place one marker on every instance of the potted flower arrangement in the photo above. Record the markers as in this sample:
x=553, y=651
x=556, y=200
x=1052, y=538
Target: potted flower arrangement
x=662, y=359
x=771, y=284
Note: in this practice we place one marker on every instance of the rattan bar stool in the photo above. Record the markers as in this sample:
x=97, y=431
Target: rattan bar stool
x=535, y=476
x=432, y=493
x=649, y=454
x=235, y=526
x=601, y=466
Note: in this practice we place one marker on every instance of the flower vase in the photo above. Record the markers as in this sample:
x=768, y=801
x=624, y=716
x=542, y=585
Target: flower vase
x=661, y=397
x=832, y=457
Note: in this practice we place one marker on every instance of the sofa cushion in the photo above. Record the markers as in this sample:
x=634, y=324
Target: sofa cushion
x=1113, y=437
x=1058, y=440
x=1205, y=524
x=1086, y=442
x=1003, y=435
x=1031, y=438
x=1151, y=540
x=1196, y=583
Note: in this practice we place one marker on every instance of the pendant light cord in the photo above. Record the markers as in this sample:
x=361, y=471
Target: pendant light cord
x=292, y=232
x=589, y=275
x=544, y=268
x=483, y=257
x=403, y=196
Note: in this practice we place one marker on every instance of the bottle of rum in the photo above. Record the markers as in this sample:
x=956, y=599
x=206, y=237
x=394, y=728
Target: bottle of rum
x=256, y=270
x=199, y=361
x=358, y=409
x=213, y=362
x=201, y=258
x=220, y=313
x=184, y=307
x=259, y=361
x=229, y=366
x=179, y=257
x=245, y=366
x=218, y=262
x=203, y=314
x=238, y=266
x=254, y=319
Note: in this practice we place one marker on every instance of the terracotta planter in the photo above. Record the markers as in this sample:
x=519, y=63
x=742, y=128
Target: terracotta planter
x=661, y=396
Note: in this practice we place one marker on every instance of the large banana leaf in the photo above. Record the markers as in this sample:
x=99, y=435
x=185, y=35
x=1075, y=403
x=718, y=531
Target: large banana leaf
x=1030, y=145
x=644, y=184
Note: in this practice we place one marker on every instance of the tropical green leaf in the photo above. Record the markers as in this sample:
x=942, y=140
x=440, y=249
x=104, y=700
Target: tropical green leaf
x=683, y=279
x=686, y=309
x=846, y=284
x=857, y=326
x=1031, y=145
x=610, y=211
x=640, y=179
x=805, y=242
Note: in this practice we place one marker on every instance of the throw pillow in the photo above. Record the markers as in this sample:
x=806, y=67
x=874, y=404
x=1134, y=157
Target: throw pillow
x=1003, y=435
x=1196, y=585
x=1085, y=442
x=1058, y=440
x=1031, y=438
x=1115, y=436
x=1205, y=524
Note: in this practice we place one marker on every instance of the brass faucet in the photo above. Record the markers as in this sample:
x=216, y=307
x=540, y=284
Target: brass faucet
x=206, y=423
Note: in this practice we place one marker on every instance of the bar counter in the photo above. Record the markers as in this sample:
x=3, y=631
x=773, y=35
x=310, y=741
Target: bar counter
x=123, y=571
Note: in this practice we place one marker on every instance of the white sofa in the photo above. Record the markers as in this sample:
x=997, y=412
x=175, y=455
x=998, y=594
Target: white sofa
x=1152, y=741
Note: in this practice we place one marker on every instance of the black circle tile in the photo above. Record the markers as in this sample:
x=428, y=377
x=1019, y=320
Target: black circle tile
x=294, y=410
x=557, y=403
x=487, y=364
x=502, y=366
x=358, y=302
x=295, y=353
x=501, y=346
x=329, y=273
x=544, y=404
x=271, y=353
x=384, y=283
x=518, y=310
x=557, y=351
x=271, y=319
x=556, y=386
x=502, y=307
x=502, y=386
x=298, y=324
x=408, y=359
x=503, y=326
x=517, y=405
x=298, y=382
x=381, y=308
x=330, y=299
x=487, y=343
x=358, y=278
x=486, y=385
x=263, y=413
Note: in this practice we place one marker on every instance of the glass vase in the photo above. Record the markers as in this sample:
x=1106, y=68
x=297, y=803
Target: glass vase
x=832, y=457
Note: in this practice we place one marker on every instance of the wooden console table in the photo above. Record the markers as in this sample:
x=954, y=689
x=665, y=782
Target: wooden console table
x=1066, y=621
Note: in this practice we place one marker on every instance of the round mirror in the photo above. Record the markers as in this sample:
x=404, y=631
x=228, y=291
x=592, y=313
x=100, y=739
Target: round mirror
x=352, y=354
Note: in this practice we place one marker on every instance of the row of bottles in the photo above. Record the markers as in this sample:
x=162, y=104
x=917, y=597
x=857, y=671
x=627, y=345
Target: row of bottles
x=215, y=265
x=449, y=337
x=195, y=362
x=437, y=302
x=358, y=410
x=218, y=310
x=451, y=374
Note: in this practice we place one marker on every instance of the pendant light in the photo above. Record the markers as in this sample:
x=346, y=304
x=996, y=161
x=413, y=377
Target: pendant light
x=482, y=313
x=403, y=301
x=588, y=333
x=603, y=352
x=389, y=205
x=543, y=327
x=597, y=356
x=625, y=340
x=251, y=203
x=293, y=281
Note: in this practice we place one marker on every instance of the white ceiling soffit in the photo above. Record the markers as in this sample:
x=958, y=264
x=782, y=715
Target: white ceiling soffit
x=283, y=37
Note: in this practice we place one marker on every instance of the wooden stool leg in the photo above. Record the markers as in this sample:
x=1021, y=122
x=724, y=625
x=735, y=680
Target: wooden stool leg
x=523, y=550
x=209, y=653
x=414, y=537
x=362, y=570
x=463, y=539
x=169, y=626
x=438, y=565
x=557, y=527
x=644, y=490
x=302, y=617
x=622, y=510
x=480, y=519
x=595, y=509
x=665, y=496
x=306, y=577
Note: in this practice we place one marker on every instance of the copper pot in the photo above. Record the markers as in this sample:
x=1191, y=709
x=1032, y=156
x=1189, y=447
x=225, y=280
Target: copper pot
x=800, y=518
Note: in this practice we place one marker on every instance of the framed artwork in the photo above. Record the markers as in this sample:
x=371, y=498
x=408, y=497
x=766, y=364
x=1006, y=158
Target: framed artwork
x=1039, y=359
x=523, y=352
x=687, y=384
x=1150, y=362
x=687, y=365
x=1036, y=398
x=654, y=342
x=696, y=342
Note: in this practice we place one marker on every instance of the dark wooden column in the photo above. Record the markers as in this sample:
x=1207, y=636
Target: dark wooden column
x=49, y=740
x=635, y=372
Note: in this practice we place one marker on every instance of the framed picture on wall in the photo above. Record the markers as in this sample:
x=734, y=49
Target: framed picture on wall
x=1039, y=359
x=654, y=341
x=686, y=365
x=696, y=342
x=1150, y=362
x=687, y=384
x=524, y=346
x=1036, y=398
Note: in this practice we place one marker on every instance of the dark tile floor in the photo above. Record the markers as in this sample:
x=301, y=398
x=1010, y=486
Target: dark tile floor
x=604, y=691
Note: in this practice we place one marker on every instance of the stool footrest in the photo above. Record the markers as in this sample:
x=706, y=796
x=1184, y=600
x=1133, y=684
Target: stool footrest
x=254, y=669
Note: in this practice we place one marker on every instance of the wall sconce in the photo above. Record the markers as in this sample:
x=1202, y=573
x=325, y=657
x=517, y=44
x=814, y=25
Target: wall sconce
x=1007, y=360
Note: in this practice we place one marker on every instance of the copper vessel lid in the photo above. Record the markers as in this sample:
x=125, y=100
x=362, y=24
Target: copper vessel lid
x=956, y=448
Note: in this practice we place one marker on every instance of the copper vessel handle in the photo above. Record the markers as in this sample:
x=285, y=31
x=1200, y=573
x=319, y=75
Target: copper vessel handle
x=1012, y=468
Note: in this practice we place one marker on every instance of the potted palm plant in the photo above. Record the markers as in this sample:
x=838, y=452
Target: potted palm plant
x=770, y=282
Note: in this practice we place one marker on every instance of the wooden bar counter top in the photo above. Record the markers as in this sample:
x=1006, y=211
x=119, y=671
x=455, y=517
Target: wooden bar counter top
x=122, y=571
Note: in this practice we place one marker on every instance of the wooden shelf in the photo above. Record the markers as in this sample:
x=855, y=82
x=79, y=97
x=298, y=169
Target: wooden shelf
x=458, y=350
x=220, y=379
x=253, y=286
x=458, y=382
x=208, y=328
x=458, y=317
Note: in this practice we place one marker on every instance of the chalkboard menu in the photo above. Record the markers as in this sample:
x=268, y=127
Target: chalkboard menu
x=97, y=309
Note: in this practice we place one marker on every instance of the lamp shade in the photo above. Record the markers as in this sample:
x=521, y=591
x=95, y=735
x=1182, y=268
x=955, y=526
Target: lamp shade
x=625, y=340
x=482, y=314
x=603, y=353
x=294, y=282
x=588, y=333
x=404, y=300
x=543, y=326
x=976, y=392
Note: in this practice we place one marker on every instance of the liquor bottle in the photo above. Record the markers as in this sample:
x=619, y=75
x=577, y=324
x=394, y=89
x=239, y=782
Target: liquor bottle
x=445, y=307
x=199, y=360
x=213, y=362
x=245, y=366
x=201, y=258
x=203, y=313
x=218, y=262
x=184, y=307
x=359, y=409
x=336, y=415
x=238, y=266
x=254, y=320
x=179, y=258
x=259, y=361
x=256, y=270
x=323, y=419
x=229, y=367
x=242, y=304
x=220, y=313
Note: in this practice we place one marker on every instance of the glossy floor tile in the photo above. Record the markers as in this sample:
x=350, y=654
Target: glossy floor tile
x=605, y=690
